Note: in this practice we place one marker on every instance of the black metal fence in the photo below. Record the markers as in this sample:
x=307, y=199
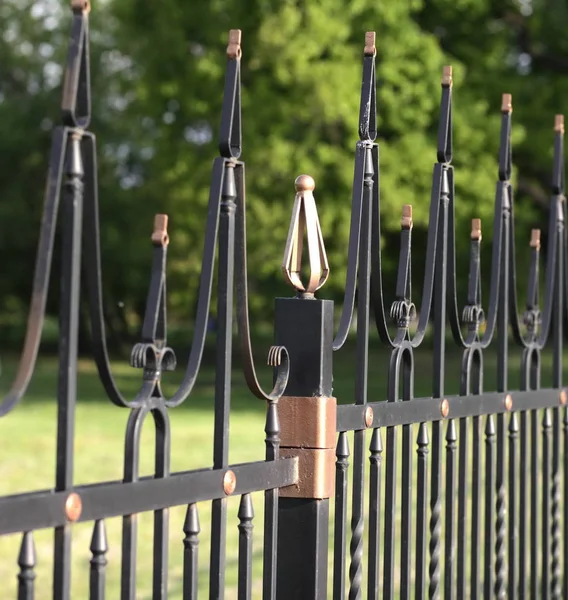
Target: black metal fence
x=477, y=505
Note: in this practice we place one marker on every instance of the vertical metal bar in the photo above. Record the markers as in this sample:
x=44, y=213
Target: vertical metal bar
x=191, y=529
x=161, y=517
x=558, y=338
x=463, y=494
x=339, y=543
x=421, y=504
x=27, y=563
x=363, y=302
x=99, y=548
x=502, y=361
x=406, y=516
x=489, y=489
x=513, y=527
x=565, y=476
x=390, y=514
x=376, y=459
x=450, y=546
x=476, y=501
x=439, y=324
x=535, y=550
x=524, y=504
x=68, y=337
x=272, y=441
x=246, y=515
x=545, y=483
x=223, y=375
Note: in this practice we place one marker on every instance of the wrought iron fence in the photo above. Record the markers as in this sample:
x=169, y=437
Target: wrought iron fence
x=469, y=523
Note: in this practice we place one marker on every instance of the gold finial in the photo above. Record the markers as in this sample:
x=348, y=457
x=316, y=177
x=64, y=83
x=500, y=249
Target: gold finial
x=535, y=239
x=160, y=234
x=81, y=6
x=559, y=124
x=370, y=49
x=507, y=103
x=304, y=183
x=305, y=219
x=447, y=80
x=234, y=47
x=406, y=221
x=476, y=229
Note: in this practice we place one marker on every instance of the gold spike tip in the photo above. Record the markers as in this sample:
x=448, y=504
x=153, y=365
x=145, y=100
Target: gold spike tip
x=507, y=103
x=160, y=234
x=559, y=124
x=535, y=239
x=81, y=6
x=476, y=229
x=406, y=221
x=234, y=47
x=447, y=80
x=370, y=48
x=304, y=183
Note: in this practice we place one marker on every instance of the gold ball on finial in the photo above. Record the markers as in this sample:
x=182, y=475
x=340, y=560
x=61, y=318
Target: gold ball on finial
x=305, y=183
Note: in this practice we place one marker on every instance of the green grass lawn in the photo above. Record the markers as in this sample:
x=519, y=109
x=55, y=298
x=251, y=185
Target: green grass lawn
x=27, y=459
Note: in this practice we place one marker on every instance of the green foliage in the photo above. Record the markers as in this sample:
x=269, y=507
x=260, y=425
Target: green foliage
x=158, y=70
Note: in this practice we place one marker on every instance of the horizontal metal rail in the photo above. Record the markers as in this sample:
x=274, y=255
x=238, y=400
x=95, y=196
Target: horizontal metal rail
x=44, y=509
x=353, y=417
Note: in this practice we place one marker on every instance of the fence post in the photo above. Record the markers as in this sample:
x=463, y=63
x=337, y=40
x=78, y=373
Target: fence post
x=307, y=412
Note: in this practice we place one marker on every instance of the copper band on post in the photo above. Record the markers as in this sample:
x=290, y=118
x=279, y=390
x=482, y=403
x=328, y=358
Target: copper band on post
x=559, y=124
x=307, y=431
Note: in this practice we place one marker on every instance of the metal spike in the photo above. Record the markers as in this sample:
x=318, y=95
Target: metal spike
x=246, y=510
x=27, y=555
x=99, y=542
x=376, y=445
x=342, y=449
x=191, y=524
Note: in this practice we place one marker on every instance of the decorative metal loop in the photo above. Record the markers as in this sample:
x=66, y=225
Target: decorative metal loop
x=305, y=219
x=403, y=313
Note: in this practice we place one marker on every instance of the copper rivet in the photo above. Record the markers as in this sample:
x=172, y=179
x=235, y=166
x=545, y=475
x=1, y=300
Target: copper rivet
x=229, y=482
x=563, y=397
x=445, y=408
x=508, y=402
x=368, y=416
x=73, y=507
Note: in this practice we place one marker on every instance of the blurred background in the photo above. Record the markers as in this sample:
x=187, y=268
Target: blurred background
x=157, y=74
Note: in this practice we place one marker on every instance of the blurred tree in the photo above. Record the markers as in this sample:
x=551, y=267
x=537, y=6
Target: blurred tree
x=158, y=71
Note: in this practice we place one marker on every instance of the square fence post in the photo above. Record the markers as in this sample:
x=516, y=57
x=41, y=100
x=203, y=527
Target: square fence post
x=307, y=414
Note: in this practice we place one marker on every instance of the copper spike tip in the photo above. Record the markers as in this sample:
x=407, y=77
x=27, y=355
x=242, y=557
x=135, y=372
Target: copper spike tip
x=447, y=76
x=535, y=239
x=559, y=123
x=476, y=229
x=81, y=5
x=304, y=183
x=234, y=47
x=160, y=234
x=370, y=38
x=406, y=221
x=507, y=103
